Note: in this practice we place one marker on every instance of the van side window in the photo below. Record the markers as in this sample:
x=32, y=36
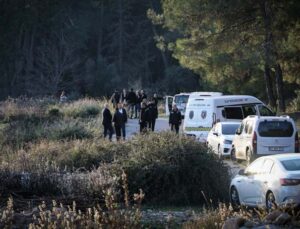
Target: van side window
x=233, y=113
x=249, y=110
x=264, y=111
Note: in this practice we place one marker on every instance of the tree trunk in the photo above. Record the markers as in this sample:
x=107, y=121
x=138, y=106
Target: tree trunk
x=266, y=13
x=269, y=88
x=279, y=88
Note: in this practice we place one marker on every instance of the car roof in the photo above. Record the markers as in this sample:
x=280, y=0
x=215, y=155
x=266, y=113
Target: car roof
x=285, y=156
x=232, y=122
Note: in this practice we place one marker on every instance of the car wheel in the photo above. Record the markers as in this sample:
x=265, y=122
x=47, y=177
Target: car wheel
x=249, y=156
x=219, y=152
x=234, y=198
x=232, y=154
x=270, y=201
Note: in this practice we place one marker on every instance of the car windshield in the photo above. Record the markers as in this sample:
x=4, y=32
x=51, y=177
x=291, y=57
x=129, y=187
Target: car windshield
x=275, y=129
x=181, y=99
x=229, y=129
x=291, y=165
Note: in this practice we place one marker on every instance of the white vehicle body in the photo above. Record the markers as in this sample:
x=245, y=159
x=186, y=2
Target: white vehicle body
x=180, y=100
x=259, y=136
x=267, y=180
x=203, y=112
x=220, y=137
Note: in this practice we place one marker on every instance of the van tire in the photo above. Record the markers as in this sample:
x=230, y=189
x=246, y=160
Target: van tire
x=249, y=156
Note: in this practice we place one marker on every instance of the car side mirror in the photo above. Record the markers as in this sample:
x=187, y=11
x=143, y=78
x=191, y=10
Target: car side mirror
x=237, y=132
x=242, y=172
x=215, y=133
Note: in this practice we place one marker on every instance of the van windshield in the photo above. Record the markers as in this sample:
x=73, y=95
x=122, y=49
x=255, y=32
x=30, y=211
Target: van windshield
x=275, y=129
x=181, y=99
x=264, y=111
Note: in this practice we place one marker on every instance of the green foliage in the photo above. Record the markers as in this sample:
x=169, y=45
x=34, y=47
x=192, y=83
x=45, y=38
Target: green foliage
x=174, y=170
x=295, y=103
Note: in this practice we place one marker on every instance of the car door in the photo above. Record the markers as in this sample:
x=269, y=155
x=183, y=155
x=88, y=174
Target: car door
x=212, y=138
x=238, y=141
x=249, y=188
x=168, y=104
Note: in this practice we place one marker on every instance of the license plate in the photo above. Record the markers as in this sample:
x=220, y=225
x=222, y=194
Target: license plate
x=276, y=148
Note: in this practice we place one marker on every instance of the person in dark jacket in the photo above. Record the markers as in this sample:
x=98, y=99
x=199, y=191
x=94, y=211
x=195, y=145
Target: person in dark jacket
x=120, y=119
x=131, y=101
x=175, y=119
x=143, y=118
x=152, y=114
x=115, y=98
x=124, y=97
x=107, y=122
x=138, y=103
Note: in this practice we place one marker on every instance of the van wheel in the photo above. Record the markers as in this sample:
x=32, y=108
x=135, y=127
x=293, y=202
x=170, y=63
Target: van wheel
x=232, y=154
x=249, y=156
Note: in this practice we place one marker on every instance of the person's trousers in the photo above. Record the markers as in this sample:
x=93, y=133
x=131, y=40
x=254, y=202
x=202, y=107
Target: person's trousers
x=137, y=110
x=131, y=109
x=175, y=127
x=108, y=130
x=119, y=130
x=151, y=124
x=143, y=127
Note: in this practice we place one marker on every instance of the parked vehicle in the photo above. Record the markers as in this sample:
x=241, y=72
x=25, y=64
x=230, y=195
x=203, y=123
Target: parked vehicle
x=268, y=180
x=203, y=112
x=258, y=136
x=181, y=100
x=220, y=137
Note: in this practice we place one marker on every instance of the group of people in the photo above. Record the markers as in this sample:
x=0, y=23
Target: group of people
x=138, y=106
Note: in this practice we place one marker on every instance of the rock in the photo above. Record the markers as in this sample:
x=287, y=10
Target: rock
x=233, y=223
x=282, y=219
x=272, y=216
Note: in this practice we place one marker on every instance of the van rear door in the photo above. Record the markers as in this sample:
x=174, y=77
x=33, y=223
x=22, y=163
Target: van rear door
x=275, y=136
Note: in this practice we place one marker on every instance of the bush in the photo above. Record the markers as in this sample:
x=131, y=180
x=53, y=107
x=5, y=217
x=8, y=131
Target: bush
x=83, y=108
x=174, y=170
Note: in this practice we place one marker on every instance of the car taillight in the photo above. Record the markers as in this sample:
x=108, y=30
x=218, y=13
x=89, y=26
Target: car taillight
x=296, y=143
x=254, y=142
x=289, y=182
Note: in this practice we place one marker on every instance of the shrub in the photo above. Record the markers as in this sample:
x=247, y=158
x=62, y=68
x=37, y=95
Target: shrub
x=54, y=111
x=174, y=170
x=83, y=108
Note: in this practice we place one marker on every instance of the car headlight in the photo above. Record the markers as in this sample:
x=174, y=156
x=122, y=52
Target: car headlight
x=227, y=141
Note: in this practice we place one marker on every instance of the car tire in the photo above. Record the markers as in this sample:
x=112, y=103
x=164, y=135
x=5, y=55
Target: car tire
x=249, y=156
x=234, y=198
x=270, y=201
x=232, y=154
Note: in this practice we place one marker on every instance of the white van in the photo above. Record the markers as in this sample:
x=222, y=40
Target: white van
x=259, y=136
x=203, y=112
x=180, y=100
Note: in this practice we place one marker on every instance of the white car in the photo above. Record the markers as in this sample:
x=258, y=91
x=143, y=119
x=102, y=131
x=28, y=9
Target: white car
x=268, y=180
x=220, y=137
x=262, y=136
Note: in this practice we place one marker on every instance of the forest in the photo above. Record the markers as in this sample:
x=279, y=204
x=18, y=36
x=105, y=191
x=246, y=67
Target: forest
x=91, y=47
